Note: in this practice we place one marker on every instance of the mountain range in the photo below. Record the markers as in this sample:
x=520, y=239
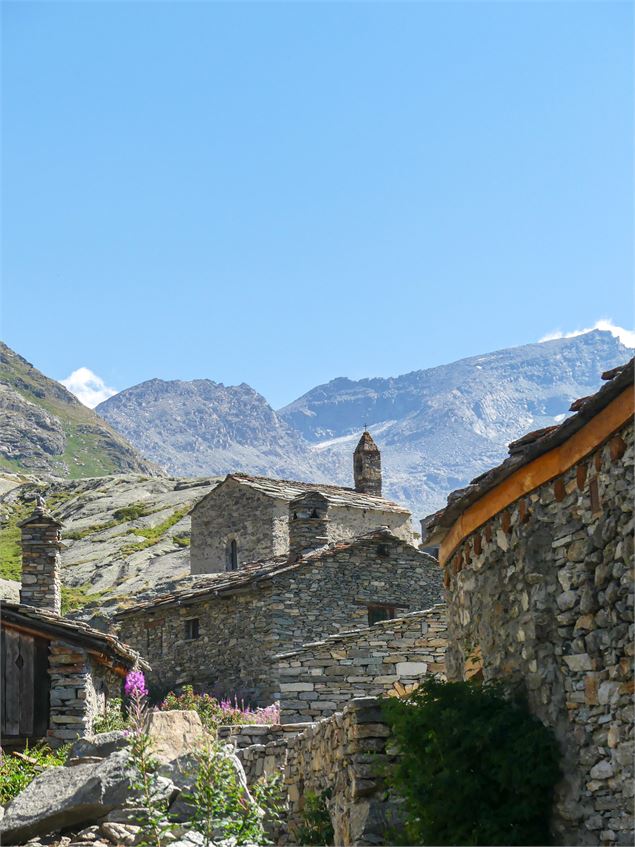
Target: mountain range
x=437, y=428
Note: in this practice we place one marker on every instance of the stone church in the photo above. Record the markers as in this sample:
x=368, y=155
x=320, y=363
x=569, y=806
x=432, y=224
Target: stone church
x=286, y=563
x=246, y=518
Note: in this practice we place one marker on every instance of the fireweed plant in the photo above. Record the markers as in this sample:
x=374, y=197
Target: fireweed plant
x=156, y=827
x=221, y=804
x=214, y=713
x=223, y=808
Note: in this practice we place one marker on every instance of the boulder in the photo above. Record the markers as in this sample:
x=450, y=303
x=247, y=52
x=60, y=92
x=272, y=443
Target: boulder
x=64, y=797
x=175, y=733
x=99, y=746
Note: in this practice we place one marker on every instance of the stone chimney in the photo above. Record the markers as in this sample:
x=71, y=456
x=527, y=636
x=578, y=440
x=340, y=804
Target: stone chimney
x=367, y=466
x=41, y=546
x=308, y=523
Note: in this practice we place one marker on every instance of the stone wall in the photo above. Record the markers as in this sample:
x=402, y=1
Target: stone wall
x=388, y=658
x=261, y=749
x=342, y=756
x=80, y=688
x=331, y=593
x=232, y=653
x=240, y=633
x=347, y=522
x=544, y=592
x=234, y=512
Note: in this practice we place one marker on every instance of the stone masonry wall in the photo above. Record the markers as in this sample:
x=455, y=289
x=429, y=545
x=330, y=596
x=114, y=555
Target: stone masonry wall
x=348, y=522
x=79, y=690
x=258, y=524
x=333, y=595
x=343, y=755
x=239, y=634
x=544, y=592
x=261, y=749
x=231, y=655
x=390, y=658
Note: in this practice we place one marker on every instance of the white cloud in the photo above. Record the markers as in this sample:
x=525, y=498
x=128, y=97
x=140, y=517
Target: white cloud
x=626, y=336
x=89, y=388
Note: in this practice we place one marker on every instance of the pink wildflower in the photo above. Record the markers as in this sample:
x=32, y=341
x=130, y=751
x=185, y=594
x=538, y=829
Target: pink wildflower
x=135, y=685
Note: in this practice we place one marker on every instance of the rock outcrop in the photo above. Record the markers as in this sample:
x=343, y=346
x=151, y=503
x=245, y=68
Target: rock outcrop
x=124, y=536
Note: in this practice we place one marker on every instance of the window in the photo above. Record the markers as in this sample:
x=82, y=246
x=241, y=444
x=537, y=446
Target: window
x=232, y=555
x=378, y=613
x=191, y=629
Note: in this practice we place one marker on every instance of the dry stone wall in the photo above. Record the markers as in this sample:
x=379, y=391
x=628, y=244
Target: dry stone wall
x=334, y=594
x=390, y=658
x=348, y=522
x=232, y=653
x=544, y=592
x=340, y=758
x=261, y=749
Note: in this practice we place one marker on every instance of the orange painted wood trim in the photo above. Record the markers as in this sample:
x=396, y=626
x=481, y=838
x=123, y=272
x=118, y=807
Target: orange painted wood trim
x=540, y=470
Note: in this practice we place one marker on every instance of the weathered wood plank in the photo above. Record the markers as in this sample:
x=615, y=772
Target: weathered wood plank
x=3, y=686
x=42, y=681
x=27, y=692
x=11, y=717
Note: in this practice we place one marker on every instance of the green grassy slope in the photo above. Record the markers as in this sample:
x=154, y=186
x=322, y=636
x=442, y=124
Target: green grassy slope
x=45, y=429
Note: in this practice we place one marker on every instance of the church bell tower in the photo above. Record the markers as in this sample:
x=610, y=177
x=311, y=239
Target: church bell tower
x=367, y=466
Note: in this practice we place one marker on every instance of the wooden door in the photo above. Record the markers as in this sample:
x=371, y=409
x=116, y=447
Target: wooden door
x=25, y=685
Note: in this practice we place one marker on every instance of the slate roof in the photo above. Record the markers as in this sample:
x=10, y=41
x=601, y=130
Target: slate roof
x=526, y=449
x=249, y=575
x=287, y=489
x=74, y=632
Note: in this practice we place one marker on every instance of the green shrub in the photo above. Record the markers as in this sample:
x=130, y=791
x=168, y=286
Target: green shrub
x=316, y=825
x=132, y=512
x=221, y=808
x=475, y=766
x=17, y=770
x=115, y=718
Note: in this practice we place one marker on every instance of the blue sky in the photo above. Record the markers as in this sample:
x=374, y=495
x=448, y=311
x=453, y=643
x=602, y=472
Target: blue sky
x=285, y=193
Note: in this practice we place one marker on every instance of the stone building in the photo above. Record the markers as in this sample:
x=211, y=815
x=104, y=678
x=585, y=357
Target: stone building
x=246, y=518
x=226, y=631
x=56, y=675
x=538, y=564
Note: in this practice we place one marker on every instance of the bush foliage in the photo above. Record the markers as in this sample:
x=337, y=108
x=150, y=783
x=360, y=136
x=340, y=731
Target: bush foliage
x=18, y=769
x=214, y=712
x=475, y=766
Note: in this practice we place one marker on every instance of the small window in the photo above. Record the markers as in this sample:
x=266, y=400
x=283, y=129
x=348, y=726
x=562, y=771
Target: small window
x=191, y=629
x=380, y=613
x=232, y=555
